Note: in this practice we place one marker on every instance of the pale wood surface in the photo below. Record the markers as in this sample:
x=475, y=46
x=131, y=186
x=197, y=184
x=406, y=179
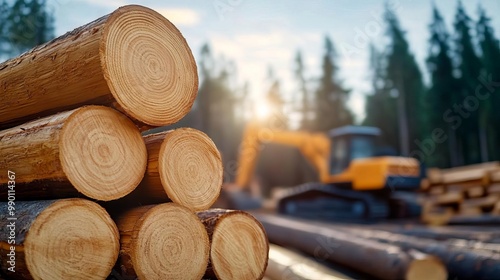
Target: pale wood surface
x=132, y=59
x=165, y=241
x=184, y=166
x=60, y=239
x=239, y=245
x=93, y=151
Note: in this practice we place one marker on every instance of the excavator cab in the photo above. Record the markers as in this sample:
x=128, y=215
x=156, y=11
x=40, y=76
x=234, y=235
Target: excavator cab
x=351, y=142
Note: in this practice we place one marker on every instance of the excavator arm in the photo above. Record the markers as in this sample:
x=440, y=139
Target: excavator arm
x=314, y=146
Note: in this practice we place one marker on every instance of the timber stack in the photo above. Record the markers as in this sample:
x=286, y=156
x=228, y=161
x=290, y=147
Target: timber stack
x=462, y=195
x=85, y=194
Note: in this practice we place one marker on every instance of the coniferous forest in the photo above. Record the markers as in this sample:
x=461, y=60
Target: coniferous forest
x=449, y=119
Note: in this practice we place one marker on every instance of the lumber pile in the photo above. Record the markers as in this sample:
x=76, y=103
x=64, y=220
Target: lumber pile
x=85, y=194
x=464, y=194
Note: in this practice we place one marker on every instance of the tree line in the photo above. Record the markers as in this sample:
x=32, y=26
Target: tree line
x=449, y=121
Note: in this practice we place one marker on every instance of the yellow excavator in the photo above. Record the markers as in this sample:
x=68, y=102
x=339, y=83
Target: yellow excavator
x=355, y=182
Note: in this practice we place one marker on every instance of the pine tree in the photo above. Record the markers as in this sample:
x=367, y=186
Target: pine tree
x=277, y=118
x=216, y=97
x=472, y=131
x=28, y=24
x=490, y=50
x=441, y=93
x=4, y=45
x=305, y=104
x=405, y=80
x=380, y=105
x=331, y=97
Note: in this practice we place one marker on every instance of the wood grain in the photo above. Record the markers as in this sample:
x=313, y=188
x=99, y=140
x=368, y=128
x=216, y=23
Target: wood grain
x=165, y=241
x=132, y=59
x=93, y=151
x=184, y=166
x=238, y=245
x=59, y=239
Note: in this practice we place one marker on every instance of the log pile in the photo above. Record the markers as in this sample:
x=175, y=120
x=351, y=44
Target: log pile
x=370, y=256
x=465, y=194
x=85, y=194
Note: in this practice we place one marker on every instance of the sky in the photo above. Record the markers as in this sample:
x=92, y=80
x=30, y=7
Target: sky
x=258, y=34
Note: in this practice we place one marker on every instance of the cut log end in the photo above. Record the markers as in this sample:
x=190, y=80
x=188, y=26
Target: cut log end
x=102, y=153
x=427, y=268
x=239, y=248
x=72, y=239
x=170, y=243
x=148, y=66
x=190, y=168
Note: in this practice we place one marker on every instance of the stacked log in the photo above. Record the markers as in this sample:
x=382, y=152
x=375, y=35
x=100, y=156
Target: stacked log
x=94, y=151
x=467, y=194
x=71, y=113
x=239, y=246
x=165, y=241
x=384, y=261
x=57, y=239
x=133, y=59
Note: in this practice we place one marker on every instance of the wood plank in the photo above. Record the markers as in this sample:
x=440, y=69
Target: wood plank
x=495, y=175
x=434, y=176
x=476, y=191
x=436, y=190
x=447, y=198
x=470, y=211
x=494, y=189
x=480, y=202
x=103, y=63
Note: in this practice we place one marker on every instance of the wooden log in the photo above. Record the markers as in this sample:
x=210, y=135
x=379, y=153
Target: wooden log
x=286, y=264
x=384, y=261
x=476, y=191
x=447, y=198
x=132, y=59
x=434, y=176
x=481, y=202
x=436, y=215
x=184, y=166
x=496, y=209
x=494, y=189
x=239, y=246
x=495, y=175
x=470, y=174
x=93, y=150
x=462, y=263
x=470, y=210
x=165, y=241
x=57, y=239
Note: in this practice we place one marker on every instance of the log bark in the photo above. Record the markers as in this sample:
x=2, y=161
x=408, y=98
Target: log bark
x=57, y=239
x=93, y=150
x=374, y=258
x=462, y=262
x=184, y=166
x=238, y=242
x=132, y=59
x=165, y=241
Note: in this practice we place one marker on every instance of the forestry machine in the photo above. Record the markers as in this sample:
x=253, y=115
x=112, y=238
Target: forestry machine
x=355, y=182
